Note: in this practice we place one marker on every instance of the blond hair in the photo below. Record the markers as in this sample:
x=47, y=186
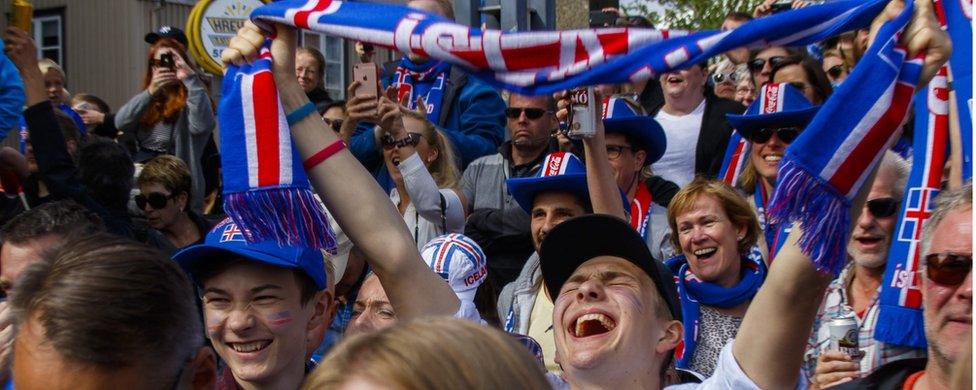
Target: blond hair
x=443, y=353
x=46, y=64
x=444, y=169
x=734, y=205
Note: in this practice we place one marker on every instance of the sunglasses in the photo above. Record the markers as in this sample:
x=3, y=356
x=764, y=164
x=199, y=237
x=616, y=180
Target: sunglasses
x=389, y=142
x=785, y=134
x=882, y=207
x=835, y=71
x=758, y=63
x=156, y=200
x=614, y=151
x=718, y=78
x=948, y=269
x=531, y=113
x=335, y=124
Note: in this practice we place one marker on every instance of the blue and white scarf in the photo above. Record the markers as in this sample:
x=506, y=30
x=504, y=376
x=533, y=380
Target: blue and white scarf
x=543, y=62
x=900, y=319
x=829, y=163
x=266, y=191
x=694, y=292
x=426, y=80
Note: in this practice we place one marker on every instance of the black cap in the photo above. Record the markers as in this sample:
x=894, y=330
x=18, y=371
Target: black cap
x=577, y=240
x=167, y=32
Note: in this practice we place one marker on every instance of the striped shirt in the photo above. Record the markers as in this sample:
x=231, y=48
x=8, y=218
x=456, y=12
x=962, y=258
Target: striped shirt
x=876, y=353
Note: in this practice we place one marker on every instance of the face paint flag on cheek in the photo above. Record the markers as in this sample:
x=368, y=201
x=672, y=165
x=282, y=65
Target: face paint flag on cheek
x=280, y=318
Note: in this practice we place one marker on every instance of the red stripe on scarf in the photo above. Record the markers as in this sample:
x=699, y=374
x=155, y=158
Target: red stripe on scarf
x=265, y=97
x=874, y=140
x=301, y=17
x=735, y=163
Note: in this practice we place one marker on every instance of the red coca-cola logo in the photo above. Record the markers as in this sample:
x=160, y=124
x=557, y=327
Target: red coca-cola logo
x=555, y=162
x=771, y=98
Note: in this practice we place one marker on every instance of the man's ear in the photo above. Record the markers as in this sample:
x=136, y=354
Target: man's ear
x=204, y=369
x=639, y=157
x=323, y=308
x=674, y=332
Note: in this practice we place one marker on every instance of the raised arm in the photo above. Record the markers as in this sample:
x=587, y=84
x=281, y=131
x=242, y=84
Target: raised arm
x=604, y=193
x=361, y=208
x=771, y=353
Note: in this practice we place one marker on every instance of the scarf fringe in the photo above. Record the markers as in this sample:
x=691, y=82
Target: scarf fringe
x=289, y=216
x=822, y=213
x=901, y=326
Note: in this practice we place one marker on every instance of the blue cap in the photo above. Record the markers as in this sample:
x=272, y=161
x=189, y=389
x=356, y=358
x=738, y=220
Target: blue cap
x=620, y=116
x=226, y=239
x=560, y=171
x=776, y=105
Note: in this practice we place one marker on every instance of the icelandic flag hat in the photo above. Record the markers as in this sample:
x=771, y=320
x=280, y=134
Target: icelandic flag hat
x=620, y=115
x=776, y=105
x=227, y=240
x=560, y=171
x=459, y=260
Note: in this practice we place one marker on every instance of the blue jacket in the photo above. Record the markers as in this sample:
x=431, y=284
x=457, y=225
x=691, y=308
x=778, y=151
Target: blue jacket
x=12, y=96
x=472, y=117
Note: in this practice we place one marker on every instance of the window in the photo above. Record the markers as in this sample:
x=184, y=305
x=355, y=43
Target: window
x=49, y=36
x=333, y=49
x=335, y=55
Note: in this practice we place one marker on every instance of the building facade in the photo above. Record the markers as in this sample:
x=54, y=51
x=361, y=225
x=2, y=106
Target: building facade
x=99, y=43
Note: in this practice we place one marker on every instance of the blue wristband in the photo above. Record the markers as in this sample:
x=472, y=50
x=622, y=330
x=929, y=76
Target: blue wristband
x=300, y=113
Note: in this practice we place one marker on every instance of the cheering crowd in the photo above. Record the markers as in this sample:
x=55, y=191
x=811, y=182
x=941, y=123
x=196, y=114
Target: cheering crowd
x=476, y=243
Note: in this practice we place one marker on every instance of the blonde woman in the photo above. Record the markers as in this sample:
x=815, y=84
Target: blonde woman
x=421, y=162
x=435, y=353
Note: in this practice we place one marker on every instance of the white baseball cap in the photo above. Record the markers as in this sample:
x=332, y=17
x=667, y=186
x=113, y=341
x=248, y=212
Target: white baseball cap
x=459, y=260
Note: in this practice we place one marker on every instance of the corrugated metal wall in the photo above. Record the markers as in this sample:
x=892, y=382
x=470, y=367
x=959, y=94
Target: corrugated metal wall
x=104, y=51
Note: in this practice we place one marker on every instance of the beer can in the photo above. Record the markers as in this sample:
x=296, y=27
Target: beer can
x=21, y=14
x=583, y=117
x=844, y=333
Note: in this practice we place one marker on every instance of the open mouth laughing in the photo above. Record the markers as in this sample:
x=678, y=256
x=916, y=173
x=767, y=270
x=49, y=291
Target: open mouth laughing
x=591, y=324
x=705, y=253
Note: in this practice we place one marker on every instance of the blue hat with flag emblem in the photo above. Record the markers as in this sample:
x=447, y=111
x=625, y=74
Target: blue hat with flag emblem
x=226, y=239
x=620, y=115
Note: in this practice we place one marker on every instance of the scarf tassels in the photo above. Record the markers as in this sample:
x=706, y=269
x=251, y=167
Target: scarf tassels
x=266, y=192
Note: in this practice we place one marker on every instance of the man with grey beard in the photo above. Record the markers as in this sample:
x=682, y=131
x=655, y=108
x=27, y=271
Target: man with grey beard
x=859, y=284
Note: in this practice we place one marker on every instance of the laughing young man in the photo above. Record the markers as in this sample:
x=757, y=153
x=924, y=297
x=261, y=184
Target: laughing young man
x=260, y=302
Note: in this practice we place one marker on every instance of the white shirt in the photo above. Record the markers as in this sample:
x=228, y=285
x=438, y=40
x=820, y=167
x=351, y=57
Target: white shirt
x=678, y=162
x=728, y=375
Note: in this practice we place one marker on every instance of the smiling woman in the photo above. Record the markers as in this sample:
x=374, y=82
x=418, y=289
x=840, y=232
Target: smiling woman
x=720, y=268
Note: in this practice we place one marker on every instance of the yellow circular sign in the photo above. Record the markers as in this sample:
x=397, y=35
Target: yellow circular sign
x=211, y=25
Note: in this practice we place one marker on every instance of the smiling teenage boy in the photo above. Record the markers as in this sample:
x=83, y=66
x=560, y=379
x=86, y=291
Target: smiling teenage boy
x=259, y=303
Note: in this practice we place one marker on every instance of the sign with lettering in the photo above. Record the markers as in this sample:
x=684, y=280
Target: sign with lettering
x=211, y=25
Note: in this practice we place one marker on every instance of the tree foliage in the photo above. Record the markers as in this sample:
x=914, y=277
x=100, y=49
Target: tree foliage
x=689, y=14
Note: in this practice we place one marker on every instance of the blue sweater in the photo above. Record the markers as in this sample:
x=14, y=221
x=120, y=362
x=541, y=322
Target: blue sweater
x=475, y=124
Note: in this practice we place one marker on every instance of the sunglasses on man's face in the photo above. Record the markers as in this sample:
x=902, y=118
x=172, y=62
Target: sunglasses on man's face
x=531, y=113
x=948, y=269
x=785, y=134
x=156, y=200
x=835, y=71
x=882, y=207
x=758, y=63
